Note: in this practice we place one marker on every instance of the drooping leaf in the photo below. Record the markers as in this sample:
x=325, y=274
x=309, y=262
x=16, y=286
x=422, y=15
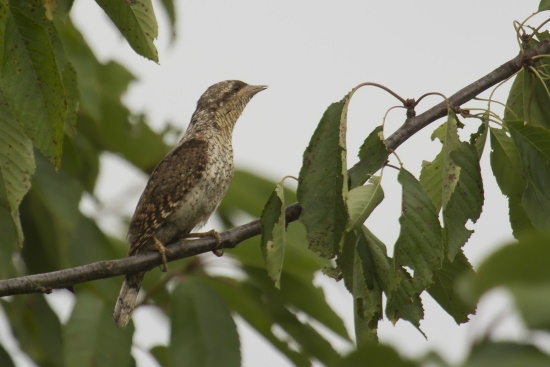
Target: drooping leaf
x=203, y=332
x=466, y=201
x=528, y=100
x=36, y=328
x=362, y=200
x=403, y=301
x=506, y=166
x=367, y=293
x=372, y=156
x=273, y=226
x=8, y=235
x=533, y=143
x=420, y=244
x=440, y=177
x=451, y=172
x=445, y=287
x=479, y=138
x=90, y=338
x=136, y=21
x=30, y=77
x=72, y=96
x=322, y=184
x=16, y=163
x=431, y=177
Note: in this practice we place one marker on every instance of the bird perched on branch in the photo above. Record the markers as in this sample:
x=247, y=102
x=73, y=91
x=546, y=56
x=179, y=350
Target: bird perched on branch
x=188, y=183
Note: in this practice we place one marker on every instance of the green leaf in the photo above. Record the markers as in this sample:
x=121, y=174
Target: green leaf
x=431, y=179
x=403, y=301
x=440, y=177
x=466, y=201
x=90, y=338
x=506, y=166
x=544, y=5
x=506, y=163
x=367, y=293
x=372, y=156
x=419, y=245
x=528, y=100
x=203, y=332
x=136, y=21
x=506, y=354
x=479, y=138
x=72, y=95
x=273, y=226
x=8, y=236
x=362, y=200
x=533, y=143
x=451, y=172
x=16, y=163
x=30, y=77
x=36, y=328
x=445, y=291
x=322, y=184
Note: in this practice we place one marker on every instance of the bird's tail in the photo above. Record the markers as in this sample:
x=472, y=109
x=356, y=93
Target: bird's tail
x=126, y=301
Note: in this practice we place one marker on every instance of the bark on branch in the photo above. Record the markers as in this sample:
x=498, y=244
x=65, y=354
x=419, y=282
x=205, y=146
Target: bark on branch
x=44, y=283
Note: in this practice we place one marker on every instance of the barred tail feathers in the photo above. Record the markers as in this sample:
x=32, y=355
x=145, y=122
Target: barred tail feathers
x=126, y=301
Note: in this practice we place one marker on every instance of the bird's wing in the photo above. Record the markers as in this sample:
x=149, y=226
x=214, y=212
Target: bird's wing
x=172, y=179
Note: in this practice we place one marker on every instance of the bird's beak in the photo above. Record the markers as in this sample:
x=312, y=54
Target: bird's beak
x=253, y=89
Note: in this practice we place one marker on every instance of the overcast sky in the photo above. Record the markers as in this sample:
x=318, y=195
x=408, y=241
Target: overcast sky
x=310, y=54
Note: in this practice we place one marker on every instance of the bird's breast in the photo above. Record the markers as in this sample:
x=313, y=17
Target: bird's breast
x=203, y=198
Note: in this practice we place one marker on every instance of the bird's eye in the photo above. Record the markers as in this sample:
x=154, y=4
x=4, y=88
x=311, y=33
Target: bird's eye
x=236, y=88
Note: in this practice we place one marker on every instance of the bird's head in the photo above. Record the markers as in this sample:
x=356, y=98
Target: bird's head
x=225, y=101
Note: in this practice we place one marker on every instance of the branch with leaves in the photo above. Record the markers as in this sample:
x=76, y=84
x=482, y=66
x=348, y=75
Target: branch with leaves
x=44, y=283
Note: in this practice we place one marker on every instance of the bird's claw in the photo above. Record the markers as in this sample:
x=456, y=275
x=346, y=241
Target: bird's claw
x=163, y=250
x=211, y=233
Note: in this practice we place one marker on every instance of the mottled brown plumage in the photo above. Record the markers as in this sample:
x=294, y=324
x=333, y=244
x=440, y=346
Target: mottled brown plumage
x=188, y=183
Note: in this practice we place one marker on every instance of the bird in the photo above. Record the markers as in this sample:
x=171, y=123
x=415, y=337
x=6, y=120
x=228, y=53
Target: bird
x=187, y=185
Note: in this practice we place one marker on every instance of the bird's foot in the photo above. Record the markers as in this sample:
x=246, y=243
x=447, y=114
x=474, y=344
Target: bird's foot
x=211, y=233
x=163, y=250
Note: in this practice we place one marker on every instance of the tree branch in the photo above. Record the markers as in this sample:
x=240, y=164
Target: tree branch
x=44, y=283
